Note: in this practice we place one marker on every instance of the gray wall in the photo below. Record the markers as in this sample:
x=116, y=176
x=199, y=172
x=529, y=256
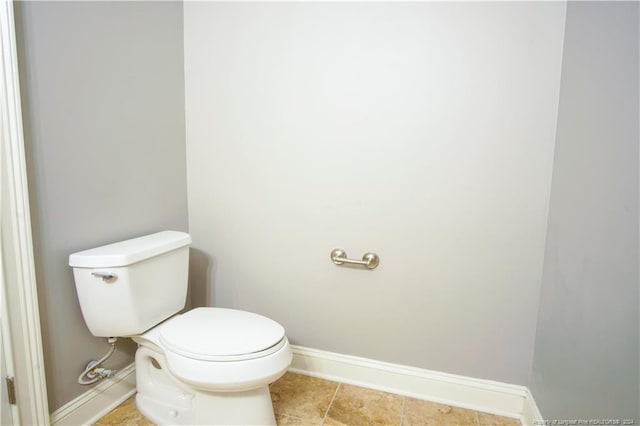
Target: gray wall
x=103, y=98
x=103, y=104
x=421, y=131
x=586, y=351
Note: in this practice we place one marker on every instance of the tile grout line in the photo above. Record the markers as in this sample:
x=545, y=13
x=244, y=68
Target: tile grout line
x=326, y=413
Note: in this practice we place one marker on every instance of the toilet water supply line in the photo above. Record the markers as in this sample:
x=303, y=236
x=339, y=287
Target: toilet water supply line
x=93, y=372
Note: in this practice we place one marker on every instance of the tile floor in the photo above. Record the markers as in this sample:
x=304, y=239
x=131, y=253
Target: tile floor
x=303, y=400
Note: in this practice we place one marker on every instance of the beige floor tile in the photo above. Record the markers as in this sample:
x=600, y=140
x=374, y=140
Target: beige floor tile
x=418, y=412
x=284, y=420
x=487, y=419
x=304, y=401
x=125, y=414
x=355, y=406
x=302, y=397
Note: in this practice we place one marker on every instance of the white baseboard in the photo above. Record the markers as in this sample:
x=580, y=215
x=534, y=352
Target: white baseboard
x=530, y=413
x=97, y=401
x=481, y=395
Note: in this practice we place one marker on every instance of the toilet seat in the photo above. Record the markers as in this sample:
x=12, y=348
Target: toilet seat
x=182, y=342
x=218, y=334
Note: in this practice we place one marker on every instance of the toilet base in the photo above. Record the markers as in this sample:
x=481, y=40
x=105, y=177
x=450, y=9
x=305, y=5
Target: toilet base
x=234, y=408
x=166, y=401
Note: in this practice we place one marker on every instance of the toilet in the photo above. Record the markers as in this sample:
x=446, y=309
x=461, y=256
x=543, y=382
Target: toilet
x=207, y=366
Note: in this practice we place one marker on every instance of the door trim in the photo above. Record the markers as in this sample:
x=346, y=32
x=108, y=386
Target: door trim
x=17, y=246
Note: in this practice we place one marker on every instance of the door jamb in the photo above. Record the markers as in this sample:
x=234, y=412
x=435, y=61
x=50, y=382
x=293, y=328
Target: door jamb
x=17, y=244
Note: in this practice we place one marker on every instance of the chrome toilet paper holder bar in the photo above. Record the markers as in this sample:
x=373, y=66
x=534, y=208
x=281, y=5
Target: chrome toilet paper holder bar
x=369, y=260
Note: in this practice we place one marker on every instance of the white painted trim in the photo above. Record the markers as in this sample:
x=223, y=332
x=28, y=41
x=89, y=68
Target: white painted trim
x=476, y=394
x=97, y=401
x=6, y=353
x=531, y=415
x=20, y=289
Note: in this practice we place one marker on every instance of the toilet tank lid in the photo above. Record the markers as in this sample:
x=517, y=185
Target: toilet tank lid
x=131, y=251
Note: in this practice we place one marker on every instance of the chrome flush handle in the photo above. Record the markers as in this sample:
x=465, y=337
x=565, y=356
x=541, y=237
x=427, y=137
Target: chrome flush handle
x=106, y=276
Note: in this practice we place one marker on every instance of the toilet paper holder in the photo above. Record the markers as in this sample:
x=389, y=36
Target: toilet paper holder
x=369, y=260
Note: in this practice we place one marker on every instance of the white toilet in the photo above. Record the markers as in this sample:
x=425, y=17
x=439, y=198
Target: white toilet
x=208, y=366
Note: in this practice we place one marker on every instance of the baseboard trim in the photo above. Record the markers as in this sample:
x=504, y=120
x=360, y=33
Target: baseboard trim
x=97, y=401
x=482, y=395
x=530, y=413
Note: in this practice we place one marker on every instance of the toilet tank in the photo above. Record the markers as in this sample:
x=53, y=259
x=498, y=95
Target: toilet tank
x=126, y=288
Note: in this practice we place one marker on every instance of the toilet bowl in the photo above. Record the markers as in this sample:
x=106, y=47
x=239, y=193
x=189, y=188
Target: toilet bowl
x=208, y=366
x=186, y=366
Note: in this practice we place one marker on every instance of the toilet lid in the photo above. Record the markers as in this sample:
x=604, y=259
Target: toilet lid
x=215, y=333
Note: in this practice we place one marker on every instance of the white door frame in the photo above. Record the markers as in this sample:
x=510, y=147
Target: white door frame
x=9, y=414
x=17, y=245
